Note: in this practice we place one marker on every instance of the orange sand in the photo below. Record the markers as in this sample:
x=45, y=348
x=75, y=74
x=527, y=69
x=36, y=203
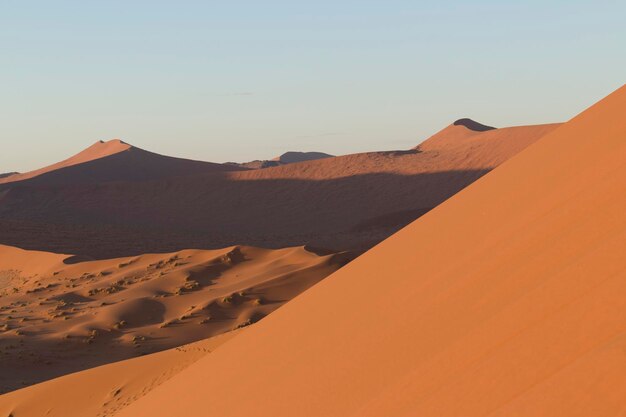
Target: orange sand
x=507, y=300
x=57, y=316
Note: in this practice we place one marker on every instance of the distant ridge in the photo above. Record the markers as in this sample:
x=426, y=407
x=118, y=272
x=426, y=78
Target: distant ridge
x=293, y=157
x=473, y=125
x=290, y=157
x=7, y=174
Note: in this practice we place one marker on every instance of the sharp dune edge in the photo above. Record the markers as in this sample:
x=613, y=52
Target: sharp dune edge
x=509, y=299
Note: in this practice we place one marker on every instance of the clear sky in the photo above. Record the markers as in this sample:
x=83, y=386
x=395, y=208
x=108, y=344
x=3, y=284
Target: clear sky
x=240, y=80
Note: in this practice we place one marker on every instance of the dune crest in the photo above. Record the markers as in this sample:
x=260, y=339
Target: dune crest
x=509, y=299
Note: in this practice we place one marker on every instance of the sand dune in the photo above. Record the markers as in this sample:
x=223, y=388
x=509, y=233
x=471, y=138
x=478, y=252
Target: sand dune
x=113, y=160
x=60, y=315
x=96, y=151
x=508, y=299
x=349, y=202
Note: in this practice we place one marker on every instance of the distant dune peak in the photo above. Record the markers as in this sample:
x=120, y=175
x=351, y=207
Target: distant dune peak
x=473, y=125
x=116, y=160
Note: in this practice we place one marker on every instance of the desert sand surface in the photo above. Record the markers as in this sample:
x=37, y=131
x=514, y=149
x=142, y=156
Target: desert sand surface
x=509, y=299
x=105, y=390
x=61, y=313
x=109, y=207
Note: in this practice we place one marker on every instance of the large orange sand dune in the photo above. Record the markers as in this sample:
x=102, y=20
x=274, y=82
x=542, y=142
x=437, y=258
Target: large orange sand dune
x=507, y=300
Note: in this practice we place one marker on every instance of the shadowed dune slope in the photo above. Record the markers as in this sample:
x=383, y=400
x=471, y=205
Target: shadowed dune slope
x=349, y=202
x=59, y=315
x=507, y=300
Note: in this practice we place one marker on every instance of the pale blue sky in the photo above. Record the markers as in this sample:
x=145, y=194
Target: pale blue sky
x=239, y=80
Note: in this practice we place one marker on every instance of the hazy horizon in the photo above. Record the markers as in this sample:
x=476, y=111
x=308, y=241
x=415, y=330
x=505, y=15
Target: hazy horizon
x=237, y=82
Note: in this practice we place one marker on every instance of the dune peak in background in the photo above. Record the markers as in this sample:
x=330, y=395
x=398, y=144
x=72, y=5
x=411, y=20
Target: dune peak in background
x=113, y=161
x=100, y=149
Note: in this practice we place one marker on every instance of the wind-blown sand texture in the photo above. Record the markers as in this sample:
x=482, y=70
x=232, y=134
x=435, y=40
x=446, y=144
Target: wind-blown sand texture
x=507, y=300
x=59, y=315
x=135, y=202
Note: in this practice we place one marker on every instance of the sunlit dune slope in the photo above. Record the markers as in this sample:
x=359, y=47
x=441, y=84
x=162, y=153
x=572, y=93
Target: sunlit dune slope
x=507, y=300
